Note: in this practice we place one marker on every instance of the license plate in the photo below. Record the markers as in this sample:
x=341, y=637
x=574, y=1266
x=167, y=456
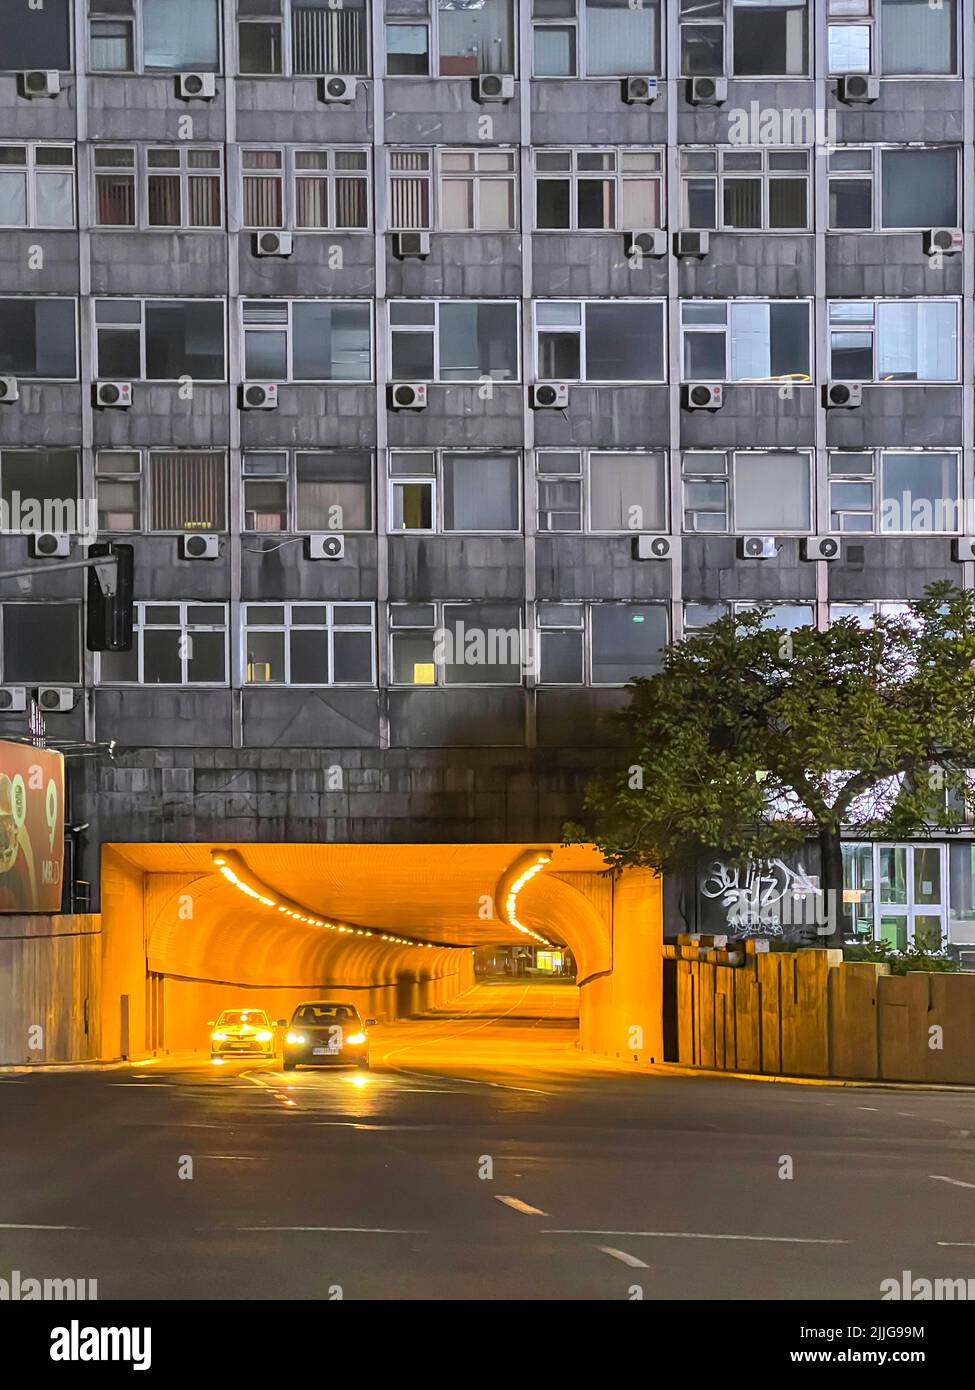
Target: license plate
x=332, y=1051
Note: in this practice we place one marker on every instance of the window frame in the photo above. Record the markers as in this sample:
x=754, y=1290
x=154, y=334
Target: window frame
x=289, y=176
x=726, y=21
x=433, y=178
x=875, y=479
x=874, y=176
x=33, y=298
x=437, y=484
x=618, y=176
x=585, y=626
x=873, y=22
x=584, y=478
x=289, y=379
x=77, y=500
x=796, y=379
x=185, y=628
x=145, y=454
x=289, y=476
x=765, y=176
x=873, y=328
x=583, y=379
x=428, y=18
x=577, y=23
x=11, y=600
x=142, y=301
x=141, y=175
x=436, y=379
x=439, y=605
x=30, y=171
x=728, y=477
x=329, y=627
x=287, y=46
x=139, y=68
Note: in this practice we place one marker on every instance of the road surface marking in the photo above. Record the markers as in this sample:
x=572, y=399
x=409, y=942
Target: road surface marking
x=955, y=1182
x=334, y=1230
x=238, y=1158
x=874, y=1108
x=698, y=1235
x=473, y=1081
x=958, y=1244
x=517, y=1204
x=29, y=1226
x=627, y=1259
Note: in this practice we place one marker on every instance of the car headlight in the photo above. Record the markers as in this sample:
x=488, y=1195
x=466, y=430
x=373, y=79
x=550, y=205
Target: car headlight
x=265, y=1035
x=295, y=1038
x=356, y=1038
x=219, y=1037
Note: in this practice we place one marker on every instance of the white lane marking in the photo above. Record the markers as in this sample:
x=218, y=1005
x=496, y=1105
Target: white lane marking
x=955, y=1182
x=145, y=1085
x=622, y=1255
x=868, y=1107
x=699, y=1235
x=517, y=1204
x=958, y=1244
x=237, y=1158
x=335, y=1230
x=475, y=1081
x=29, y=1226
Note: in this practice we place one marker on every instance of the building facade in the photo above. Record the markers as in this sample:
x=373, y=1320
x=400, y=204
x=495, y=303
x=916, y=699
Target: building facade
x=442, y=360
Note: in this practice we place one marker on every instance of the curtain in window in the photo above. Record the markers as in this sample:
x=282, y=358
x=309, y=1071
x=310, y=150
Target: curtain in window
x=917, y=342
x=620, y=39
x=311, y=199
x=772, y=492
x=164, y=200
x=620, y=483
x=409, y=197
x=750, y=342
x=325, y=40
x=115, y=194
x=180, y=34
x=204, y=193
x=917, y=37
x=480, y=493
x=186, y=491
x=263, y=200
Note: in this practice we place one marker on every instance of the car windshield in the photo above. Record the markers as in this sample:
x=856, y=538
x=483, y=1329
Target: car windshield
x=255, y=1016
x=325, y=1013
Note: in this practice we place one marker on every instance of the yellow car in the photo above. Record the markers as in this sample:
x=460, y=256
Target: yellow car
x=241, y=1033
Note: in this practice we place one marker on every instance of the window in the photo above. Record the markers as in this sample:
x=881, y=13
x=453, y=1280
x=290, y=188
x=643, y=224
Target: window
x=41, y=643
x=328, y=490
x=746, y=492
x=474, y=39
x=303, y=37
x=407, y=48
x=477, y=190
x=453, y=340
x=891, y=189
x=444, y=491
x=457, y=643
x=159, y=339
x=744, y=340
x=172, y=644
x=599, y=340
x=599, y=643
x=150, y=187
x=598, y=190
x=38, y=338
x=595, y=491
x=161, y=490
x=596, y=38
x=305, y=189
x=894, y=340
x=777, y=615
x=37, y=38
x=740, y=190
x=307, y=340
x=161, y=35
x=40, y=492
x=37, y=185
x=745, y=38
x=310, y=644
x=899, y=38
x=865, y=612
x=885, y=490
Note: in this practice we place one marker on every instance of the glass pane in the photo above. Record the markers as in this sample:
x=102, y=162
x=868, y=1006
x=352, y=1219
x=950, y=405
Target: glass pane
x=474, y=41
x=309, y=656
x=917, y=37
x=920, y=188
x=413, y=662
x=13, y=199
x=353, y=658
x=560, y=658
x=206, y=662
x=624, y=342
x=55, y=199
x=265, y=657
x=621, y=38
x=480, y=492
x=180, y=34
x=478, y=340
x=770, y=39
x=627, y=492
x=928, y=933
x=555, y=50
x=407, y=50
x=626, y=640
x=162, y=663
x=893, y=874
x=772, y=492
x=41, y=642
x=412, y=506
x=927, y=875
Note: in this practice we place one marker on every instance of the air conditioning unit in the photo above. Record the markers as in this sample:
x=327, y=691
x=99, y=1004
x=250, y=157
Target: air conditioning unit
x=56, y=699
x=842, y=395
x=697, y=396
x=549, y=395
x=273, y=243
x=492, y=86
x=707, y=91
x=324, y=545
x=408, y=395
x=692, y=244
x=9, y=389
x=340, y=89
x=756, y=547
x=195, y=545
x=49, y=545
x=13, y=699
x=196, y=86
x=649, y=243
x=113, y=395
x=639, y=91
x=963, y=548
x=39, y=84
x=259, y=395
x=411, y=245
x=820, y=548
x=652, y=548
x=857, y=89
x=944, y=241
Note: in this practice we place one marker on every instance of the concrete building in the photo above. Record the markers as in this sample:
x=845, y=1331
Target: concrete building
x=284, y=285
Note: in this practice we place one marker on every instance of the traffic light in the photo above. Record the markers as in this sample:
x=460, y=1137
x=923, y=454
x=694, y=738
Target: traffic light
x=109, y=627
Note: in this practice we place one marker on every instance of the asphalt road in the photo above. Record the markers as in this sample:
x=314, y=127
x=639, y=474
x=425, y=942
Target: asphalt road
x=480, y=1158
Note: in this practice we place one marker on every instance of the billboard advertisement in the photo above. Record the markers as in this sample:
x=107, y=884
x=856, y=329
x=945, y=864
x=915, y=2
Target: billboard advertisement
x=31, y=828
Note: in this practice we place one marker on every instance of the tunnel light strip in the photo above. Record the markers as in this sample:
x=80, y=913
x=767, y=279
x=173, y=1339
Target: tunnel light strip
x=511, y=901
x=231, y=867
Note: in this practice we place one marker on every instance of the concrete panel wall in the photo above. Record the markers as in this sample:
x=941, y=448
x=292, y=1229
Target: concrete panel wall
x=49, y=988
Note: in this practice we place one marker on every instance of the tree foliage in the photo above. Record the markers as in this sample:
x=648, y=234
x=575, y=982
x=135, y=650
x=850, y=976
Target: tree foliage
x=752, y=739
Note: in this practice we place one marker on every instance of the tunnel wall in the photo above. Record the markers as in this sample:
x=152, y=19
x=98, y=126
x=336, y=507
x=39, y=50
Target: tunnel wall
x=49, y=988
x=621, y=1008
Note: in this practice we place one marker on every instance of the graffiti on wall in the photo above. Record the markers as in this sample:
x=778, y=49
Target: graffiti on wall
x=767, y=898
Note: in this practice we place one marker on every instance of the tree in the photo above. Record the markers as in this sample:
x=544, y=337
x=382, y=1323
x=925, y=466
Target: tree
x=751, y=740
